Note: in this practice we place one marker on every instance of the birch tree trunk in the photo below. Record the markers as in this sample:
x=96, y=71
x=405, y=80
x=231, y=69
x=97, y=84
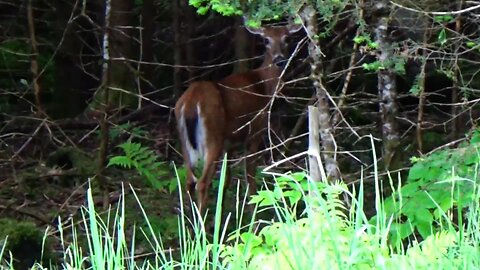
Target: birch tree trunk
x=121, y=73
x=104, y=94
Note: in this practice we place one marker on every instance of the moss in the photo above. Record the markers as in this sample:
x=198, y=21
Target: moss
x=24, y=243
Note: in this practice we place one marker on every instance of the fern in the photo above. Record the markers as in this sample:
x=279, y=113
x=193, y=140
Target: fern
x=143, y=160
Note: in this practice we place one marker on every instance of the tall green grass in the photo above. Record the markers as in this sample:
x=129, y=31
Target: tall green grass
x=317, y=231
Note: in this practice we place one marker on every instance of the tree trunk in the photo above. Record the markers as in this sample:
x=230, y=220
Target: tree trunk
x=387, y=87
x=314, y=166
x=455, y=125
x=34, y=59
x=183, y=27
x=422, y=96
x=148, y=20
x=187, y=40
x=121, y=41
x=326, y=130
x=72, y=80
x=177, y=49
x=241, y=47
x=121, y=80
x=103, y=94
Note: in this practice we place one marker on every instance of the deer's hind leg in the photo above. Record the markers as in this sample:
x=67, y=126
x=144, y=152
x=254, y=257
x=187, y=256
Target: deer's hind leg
x=205, y=181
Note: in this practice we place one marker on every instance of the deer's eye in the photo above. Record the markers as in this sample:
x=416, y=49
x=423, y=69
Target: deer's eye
x=266, y=42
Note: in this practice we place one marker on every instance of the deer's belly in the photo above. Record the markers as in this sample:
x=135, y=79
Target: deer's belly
x=241, y=130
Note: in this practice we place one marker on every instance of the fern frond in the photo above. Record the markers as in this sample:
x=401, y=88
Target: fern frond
x=143, y=160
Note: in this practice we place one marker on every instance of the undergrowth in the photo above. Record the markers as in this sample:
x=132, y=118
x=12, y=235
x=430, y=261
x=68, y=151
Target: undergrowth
x=310, y=228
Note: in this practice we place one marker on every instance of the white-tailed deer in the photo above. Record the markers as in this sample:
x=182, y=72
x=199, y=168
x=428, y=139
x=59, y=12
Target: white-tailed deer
x=210, y=113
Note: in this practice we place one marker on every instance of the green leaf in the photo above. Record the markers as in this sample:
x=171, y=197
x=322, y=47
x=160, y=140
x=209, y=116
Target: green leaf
x=475, y=136
x=299, y=176
x=390, y=207
x=410, y=188
x=143, y=160
x=442, y=37
x=419, y=170
x=405, y=229
x=470, y=44
x=255, y=199
x=374, y=66
x=415, y=89
x=434, y=173
x=402, y=230
x=293, y=196
x=203, y=10
x=424, y=228
x=373, y=45
x=264, y=198
x=472, y=158
x=423, y=215
x=361, y=39
x=443, y=18
x=121, y=161
x=271, y=234
x=421, y=200
x=437, y=162
x=172, y=185
x=445, y=205
x=439, y=195
x=251, y=239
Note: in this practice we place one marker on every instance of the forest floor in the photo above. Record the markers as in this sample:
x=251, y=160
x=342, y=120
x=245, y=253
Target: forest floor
x=48, y=184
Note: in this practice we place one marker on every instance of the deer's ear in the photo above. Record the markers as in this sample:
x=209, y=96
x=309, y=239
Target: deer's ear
x=255, y=31
x=293, y=28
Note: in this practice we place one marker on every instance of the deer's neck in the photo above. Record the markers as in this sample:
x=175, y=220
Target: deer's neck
x=270, y=74
x=268, y=63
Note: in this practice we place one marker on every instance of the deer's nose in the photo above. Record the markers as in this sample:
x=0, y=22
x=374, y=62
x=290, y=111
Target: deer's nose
x=279, y=61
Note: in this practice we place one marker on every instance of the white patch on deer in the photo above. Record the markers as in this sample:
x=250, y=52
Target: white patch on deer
x=201, y=135
x=199, y=154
